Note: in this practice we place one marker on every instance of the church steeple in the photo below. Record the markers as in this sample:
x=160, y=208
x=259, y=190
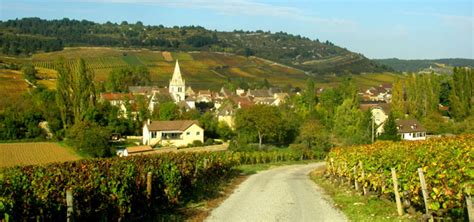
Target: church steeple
x=177, y=79
x=177, y=85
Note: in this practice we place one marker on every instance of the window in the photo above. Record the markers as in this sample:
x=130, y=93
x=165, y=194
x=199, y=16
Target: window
x=197, y=133
x=179, y=89
x=153, y=134
x=188, y=133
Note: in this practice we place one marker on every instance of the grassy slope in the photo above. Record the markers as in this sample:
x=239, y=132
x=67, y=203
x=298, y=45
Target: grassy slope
x=200, y=69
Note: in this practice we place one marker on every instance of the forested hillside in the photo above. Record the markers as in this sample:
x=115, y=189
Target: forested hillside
x=28, y=35
x=416, y=65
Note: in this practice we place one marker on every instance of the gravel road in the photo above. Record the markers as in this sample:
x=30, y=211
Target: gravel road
x=280, y=194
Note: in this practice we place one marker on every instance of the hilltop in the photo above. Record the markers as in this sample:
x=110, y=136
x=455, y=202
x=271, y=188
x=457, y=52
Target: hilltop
x=415, y=65
x=29, y=35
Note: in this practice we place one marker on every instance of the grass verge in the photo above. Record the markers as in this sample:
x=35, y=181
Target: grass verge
x=358, y=207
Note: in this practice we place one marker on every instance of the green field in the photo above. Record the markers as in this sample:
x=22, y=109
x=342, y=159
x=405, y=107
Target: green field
x=201, y=70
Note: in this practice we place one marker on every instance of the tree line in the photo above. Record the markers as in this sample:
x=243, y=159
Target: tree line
x=420, y=96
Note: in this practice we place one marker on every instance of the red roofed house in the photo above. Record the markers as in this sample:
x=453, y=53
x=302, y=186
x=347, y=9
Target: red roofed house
x=123, y=101
x=172, y=133
x=116, y=99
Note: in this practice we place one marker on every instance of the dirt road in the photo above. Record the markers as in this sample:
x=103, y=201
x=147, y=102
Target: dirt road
x=280, y=194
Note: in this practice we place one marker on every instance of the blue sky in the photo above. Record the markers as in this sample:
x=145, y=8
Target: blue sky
x=408, y=29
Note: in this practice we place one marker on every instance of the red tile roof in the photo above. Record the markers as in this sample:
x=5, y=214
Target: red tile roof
x=116, y=96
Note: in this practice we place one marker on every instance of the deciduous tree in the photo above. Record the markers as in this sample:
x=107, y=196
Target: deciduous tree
x=262, y=120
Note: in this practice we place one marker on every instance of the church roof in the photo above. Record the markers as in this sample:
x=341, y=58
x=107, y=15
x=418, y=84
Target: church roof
x=177, y=79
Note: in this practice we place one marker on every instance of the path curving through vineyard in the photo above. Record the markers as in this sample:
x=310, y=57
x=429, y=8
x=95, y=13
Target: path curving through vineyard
x=280, y=194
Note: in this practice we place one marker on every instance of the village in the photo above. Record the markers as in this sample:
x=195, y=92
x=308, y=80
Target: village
x=225, y=103
x=236, y=111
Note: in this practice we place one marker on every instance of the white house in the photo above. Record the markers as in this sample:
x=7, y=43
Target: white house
x=379, y=116
x=379, y=111
x=172, y=133
x=410, y=129
x=177, y=87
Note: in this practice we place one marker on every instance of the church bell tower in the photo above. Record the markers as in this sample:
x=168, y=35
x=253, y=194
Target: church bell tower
x=177, y=85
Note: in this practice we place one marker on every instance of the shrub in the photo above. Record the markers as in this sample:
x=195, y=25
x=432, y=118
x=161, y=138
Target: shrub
x=90, y=139
x=208, y=142
x=197, y=143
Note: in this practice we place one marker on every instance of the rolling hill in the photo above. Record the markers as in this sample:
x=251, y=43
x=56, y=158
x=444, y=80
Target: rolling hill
x=202, y=70
x=402, y=65
x=29, y=35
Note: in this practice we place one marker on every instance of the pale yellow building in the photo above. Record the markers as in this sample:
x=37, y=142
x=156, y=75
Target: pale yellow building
x=175, y=133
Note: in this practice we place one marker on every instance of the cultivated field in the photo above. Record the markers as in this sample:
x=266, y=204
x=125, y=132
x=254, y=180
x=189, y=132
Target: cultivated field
x=201, y=70
x=12, y=86
x=13, y=154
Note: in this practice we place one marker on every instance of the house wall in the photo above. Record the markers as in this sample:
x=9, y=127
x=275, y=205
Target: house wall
x=195, y=133
x=146, y=135
x=414, y=136
x=379, y=118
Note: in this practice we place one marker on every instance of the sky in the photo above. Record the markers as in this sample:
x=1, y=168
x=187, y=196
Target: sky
x=405, y=29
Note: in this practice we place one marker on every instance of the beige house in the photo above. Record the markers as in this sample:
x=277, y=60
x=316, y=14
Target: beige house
x=172, y=133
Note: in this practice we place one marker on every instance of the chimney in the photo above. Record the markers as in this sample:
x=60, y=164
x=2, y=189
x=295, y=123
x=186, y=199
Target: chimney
x=148, y=121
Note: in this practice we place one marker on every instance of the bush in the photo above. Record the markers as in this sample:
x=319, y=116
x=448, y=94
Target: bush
x=209, y=141
x=196, y=143
x=90, y=139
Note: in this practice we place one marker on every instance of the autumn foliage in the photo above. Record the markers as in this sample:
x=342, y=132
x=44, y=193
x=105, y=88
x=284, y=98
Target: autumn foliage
x=447, y=164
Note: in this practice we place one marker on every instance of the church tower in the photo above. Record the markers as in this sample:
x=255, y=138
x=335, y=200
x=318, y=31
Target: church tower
x=177, y=85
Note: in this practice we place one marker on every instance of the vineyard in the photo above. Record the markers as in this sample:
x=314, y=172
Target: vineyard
x=14, y=154
x=12, y=86
x=117, y=187
x=447, y=165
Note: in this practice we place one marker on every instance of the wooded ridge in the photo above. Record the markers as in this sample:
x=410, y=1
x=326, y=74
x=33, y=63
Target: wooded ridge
x=28, y=35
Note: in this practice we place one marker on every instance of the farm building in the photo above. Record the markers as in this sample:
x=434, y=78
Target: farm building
x=133, y=150
x=172, y=133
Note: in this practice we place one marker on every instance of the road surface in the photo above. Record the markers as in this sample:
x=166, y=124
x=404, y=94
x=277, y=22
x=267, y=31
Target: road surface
x=280, y=194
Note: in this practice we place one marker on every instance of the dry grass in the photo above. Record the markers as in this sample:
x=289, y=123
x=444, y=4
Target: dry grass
x=14, y=154
x=167, y=56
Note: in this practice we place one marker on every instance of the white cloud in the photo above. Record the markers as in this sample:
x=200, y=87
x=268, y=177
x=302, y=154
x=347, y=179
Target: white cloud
x=240, y=7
